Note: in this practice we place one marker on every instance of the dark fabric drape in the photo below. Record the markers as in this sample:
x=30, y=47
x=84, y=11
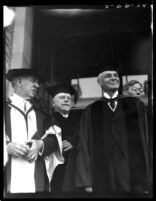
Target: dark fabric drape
x=42, y=60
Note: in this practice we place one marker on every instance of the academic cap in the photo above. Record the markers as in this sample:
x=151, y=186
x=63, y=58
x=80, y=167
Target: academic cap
x=111, y=66
x=62, y=88
x=12, y=73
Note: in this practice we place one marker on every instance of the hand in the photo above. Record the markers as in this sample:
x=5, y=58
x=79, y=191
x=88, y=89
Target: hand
x=17, y=149
x=66, y=145
x=34, y=149
x=89, y=189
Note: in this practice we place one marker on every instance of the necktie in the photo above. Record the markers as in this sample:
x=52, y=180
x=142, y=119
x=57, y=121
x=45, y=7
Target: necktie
x=112, y=104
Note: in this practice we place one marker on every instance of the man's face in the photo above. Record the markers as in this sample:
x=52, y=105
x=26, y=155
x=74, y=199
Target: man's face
x=62, y=102
x=110, y=80
x=135, y=90
x=29, y=86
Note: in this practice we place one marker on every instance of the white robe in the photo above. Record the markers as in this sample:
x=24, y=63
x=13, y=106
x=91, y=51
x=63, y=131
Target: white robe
x=22, y=171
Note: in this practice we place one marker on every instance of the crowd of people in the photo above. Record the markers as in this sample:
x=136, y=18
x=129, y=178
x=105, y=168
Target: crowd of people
x=103, y=150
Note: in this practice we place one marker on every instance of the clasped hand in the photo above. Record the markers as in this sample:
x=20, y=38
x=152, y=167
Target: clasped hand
x=24, y=150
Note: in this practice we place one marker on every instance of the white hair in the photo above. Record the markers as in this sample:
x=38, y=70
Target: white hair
x=99, y=78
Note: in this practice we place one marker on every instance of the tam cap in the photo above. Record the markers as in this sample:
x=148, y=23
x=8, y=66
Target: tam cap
x=12, y=73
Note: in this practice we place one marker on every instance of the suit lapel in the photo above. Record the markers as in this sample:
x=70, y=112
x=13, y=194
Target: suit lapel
x=106, y=109
x=120, y=138
x=117, y=110
x=102, y=109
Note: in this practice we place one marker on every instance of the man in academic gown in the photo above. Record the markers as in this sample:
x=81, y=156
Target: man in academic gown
x=62, y=95
x=24, y=129
x=113, y=152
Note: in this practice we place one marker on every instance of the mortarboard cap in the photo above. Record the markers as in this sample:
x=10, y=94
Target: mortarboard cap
x=110, y=66
x=62, y=88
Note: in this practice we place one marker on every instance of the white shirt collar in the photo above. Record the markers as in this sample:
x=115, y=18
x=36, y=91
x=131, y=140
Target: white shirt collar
x=65, y=115
x=106, y=95
x=19, y=101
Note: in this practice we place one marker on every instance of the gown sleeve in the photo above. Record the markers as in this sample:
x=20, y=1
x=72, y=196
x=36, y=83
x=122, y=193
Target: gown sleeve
x=83, y=164
x=143, y=124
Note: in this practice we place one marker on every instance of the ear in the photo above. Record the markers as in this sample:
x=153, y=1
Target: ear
x=125, y=93
x=19, y=81
x=99, y=81
x=52, y=103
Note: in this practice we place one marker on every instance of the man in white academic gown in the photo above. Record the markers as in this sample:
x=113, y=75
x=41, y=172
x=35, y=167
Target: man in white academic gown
x=27, y=144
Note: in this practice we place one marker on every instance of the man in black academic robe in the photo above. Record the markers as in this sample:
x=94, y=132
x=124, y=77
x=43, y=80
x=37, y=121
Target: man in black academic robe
x=67, y=120
x=113, y=152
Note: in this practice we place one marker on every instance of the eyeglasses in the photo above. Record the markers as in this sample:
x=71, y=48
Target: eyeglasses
x=137, y=89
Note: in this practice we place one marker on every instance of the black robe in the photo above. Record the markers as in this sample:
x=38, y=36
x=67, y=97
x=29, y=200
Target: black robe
x=63, y=177
x=113, y=152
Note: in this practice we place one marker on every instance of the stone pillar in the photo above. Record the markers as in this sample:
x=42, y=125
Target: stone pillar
x=22, y=41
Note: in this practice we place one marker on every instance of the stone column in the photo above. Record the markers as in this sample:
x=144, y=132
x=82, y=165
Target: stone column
x=21, y=42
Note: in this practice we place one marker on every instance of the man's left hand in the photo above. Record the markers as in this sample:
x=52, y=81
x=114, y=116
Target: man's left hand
x=67, y=145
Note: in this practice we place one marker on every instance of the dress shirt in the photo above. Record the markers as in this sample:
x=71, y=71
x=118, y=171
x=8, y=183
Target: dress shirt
x=65, y=115
x=106, y=95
